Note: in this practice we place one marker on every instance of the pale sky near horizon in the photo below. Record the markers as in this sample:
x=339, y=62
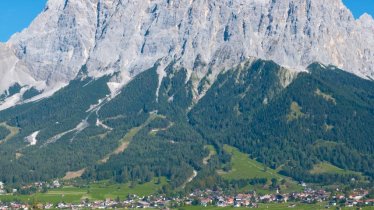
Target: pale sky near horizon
x=16, y=15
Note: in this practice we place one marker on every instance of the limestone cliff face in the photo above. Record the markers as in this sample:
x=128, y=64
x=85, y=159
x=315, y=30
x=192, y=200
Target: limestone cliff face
x=200, y=35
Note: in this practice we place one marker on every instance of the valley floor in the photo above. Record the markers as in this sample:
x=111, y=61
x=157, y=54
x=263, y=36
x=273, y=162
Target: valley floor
x=107, y=194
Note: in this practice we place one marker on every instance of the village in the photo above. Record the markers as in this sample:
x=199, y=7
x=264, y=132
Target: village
x=207, y=198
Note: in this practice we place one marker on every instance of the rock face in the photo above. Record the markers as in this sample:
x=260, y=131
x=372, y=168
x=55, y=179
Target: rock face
x=59, y=40
x=131, y=36
x=12, y=70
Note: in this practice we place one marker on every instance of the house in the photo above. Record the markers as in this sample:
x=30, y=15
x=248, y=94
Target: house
x=159, y=203
x=2, y=191
x=188, y=202
x=143, y=204
x=265, y=198
x=56, y=184
x=333, y=203
x=205, y=201
x=221, y=202
x=61, y=206
x=239, y=197
x=230, y=201
x=349, y=203
x=369, y=202
x=48, y=206
x=279, y=198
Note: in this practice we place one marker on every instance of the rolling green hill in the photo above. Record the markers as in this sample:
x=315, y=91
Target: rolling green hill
x=245, y=168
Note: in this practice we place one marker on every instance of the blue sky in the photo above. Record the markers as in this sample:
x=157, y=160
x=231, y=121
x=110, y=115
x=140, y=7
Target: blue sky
x=16, y=15
x=358, y=7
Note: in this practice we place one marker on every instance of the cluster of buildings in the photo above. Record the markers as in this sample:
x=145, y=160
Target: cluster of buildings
x=37, y=186
x=157, y=202
x=14, y=205
x=210, y=198
x=355, y=198
x=40, y=185
x=308, y=196
x=219, y=199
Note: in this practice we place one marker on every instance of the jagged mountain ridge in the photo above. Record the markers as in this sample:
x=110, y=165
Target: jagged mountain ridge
x=131, y=36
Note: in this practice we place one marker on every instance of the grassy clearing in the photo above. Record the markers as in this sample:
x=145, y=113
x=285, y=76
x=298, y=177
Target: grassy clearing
x=73, y=174
x=125, y=141
x=154, y=131
x=50, y=197
x=212, y=152
x=328, y=127
x=295, y=112
x=324, y=143
x=245, y=168
x=326, y=167
x=103, y=190
x=325, y=96
x=96, y=191
x=13, y=132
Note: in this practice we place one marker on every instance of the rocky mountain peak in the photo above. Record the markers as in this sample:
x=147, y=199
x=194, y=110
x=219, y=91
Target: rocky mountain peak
x=367, y=20
x=131, y=36
x=58, y=41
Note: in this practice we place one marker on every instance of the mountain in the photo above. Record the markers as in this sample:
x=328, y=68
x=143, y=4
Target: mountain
x=324, y=115
x=129, y=37
x=131, y=90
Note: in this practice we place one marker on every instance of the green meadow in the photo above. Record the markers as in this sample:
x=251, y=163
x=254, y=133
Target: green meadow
x=95, y=191
x=325, y=167
x=243, y=167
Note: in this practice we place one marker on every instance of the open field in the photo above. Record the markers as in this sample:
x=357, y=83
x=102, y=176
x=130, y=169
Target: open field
x=295, y=113
x=212, y=152
x=325, y=96
x=245, y=168
x=13, y=132
x=101, y=191
x=73, y=174
x=125, y=141
x=326, y=167
x=95, y=191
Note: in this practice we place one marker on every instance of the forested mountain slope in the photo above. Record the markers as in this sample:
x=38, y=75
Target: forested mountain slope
x=130, y=36
x=157, y=128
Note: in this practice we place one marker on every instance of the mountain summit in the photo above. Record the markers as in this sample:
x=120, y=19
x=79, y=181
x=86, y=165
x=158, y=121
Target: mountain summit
x=204, y=36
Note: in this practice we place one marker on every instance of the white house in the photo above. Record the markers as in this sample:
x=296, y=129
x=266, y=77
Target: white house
x=2, y=191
